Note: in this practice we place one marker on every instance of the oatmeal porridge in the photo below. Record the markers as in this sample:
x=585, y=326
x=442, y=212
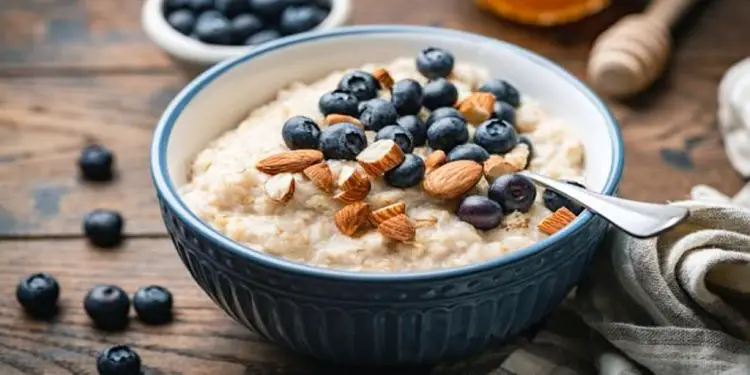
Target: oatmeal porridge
x=322, y=175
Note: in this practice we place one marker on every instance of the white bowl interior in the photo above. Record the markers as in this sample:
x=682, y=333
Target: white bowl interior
x=228, y=98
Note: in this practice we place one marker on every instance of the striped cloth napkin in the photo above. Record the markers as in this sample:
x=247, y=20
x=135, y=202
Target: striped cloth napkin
x=678, y=304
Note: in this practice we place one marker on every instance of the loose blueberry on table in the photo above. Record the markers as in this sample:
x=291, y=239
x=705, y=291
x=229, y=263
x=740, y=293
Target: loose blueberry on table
x=554, y=201
x=243, y=22
x=398, y=134
x=103, y=228
x=95, y=163
x=108, y=307
x=153, y=304
x=38, y=294
x=118, y=360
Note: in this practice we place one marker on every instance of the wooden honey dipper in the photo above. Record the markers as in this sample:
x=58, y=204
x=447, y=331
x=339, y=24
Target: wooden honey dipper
x=631, y=55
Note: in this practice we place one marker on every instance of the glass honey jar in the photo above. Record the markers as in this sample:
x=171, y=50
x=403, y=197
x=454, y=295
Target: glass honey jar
x=544, y=12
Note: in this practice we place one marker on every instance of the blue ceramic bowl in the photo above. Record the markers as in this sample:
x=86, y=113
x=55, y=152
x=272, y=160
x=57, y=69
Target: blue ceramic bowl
x=378, y=318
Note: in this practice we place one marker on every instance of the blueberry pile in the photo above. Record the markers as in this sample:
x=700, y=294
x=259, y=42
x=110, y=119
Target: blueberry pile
x=244, y=22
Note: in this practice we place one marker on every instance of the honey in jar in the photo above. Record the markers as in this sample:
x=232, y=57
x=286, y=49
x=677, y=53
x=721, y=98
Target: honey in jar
x=544, y=12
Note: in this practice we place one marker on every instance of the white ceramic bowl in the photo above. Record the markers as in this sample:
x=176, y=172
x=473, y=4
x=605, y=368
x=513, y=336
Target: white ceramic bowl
x=378, y=318
x=195, y=56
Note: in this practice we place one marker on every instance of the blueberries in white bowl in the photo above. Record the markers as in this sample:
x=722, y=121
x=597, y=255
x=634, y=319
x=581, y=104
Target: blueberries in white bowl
x=399, y=135
x=447, y=133
x=514, y=192
x=342, y=141
x=340, y=102
x=245, y=25
x=496, y=136
x=182, y=20
x=468, y=151
x=407, y=174
x=297, y=19
x=406, y=96
x=213, y=28
x=377, y=114
x=481, y=212
x=300, y=132
x=360, y=83
x=434, y=62
x=416, y=127
x=439, y=93
x=262, y=36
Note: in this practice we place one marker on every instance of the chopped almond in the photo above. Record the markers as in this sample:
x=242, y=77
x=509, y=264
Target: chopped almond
x=556, y=221
x=380, y=157
x=280, y=187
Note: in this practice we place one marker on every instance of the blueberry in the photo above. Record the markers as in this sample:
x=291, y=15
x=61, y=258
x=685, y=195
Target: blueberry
x=468, y=151
x=443, y=112
x=95, y=163
x=378, y=113
x=182, y=20
x=268, y=9
x=262, y=36
x=554, y=201
x=213, y=29
x=245, y=25
x=118, y=360
x=416, y=127
x=503, y=91
x=342, y=141
x=407, y=174
x=201, y=5
x=300, y=132
x=505, y=112
x=338, y=101
x=434, y=62
x=297, y=19
x=103, y=228
x=107, y=306
x=399, y=135
x=447, y=133
x=172, y=5
x=481, y=212
x=525, y=140
x=362, y=84
x=439, y=93
x=514, y=192
x=153, y=304
x=231, y=8
x=497, y=137
x=406, y=96
x=38, y=294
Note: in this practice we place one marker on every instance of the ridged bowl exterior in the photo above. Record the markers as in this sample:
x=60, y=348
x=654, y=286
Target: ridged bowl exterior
x=390, y=322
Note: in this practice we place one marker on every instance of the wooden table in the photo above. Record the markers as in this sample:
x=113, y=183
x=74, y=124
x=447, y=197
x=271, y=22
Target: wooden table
x=74, y=71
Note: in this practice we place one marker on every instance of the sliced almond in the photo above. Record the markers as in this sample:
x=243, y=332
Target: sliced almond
x=336, y=118
x=380, y=215
x=385, y=79
x=512, y=162
x=280, y=187
x=435, y=160
x=398, y=228
x=380, y=157
x=350, y=218
x=477, y=107
x=321, y=176
x=352, y=179
x=289, y=161
x=351, y=196
x=453, y=180
x=556, y=221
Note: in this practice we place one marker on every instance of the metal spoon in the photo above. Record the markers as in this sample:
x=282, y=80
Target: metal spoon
x=638, y=219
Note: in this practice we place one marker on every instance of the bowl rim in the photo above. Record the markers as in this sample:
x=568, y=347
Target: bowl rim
x=155, y=26
x=169, y=193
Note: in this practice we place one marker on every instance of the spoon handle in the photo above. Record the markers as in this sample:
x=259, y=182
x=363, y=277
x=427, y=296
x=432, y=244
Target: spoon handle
x=638, y=219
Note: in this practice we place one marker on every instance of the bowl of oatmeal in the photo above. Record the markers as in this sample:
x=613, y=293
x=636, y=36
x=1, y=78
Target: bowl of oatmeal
x=352, y=194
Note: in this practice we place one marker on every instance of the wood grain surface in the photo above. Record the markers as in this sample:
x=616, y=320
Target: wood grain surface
x=79, y=71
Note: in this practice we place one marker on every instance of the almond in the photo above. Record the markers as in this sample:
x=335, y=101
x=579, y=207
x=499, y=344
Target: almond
x=321, y=176
x=280, y=187
x=512, y=162
x=435, y=160
x=453, y=180
x=336, y=118
x=556, y=221
x=380, y=215
x=380, y=157
x=398, y=228
x=477, y=107
x=352, y=179
x=350, y=218
x=385, y=79
x=289, y=161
